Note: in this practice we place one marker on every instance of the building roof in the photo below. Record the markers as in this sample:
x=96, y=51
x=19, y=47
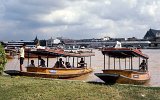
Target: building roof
x=123, y=52
x=151, y=34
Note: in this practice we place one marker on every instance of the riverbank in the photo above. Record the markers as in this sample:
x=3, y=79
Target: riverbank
x=27, y=88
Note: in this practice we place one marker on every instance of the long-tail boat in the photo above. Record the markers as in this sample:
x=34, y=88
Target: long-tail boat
x=48, y=72
x=126, y=74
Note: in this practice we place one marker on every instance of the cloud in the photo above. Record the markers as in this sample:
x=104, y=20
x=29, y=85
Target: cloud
x=24, y=19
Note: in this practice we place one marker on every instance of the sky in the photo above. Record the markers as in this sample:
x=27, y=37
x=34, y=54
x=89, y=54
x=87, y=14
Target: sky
x=77, y=19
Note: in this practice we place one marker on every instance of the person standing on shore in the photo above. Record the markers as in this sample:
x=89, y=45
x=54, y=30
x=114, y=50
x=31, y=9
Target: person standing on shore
x=21, y=56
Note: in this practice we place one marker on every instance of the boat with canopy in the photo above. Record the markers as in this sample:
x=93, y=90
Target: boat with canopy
x=126, y=73
x=56, y=72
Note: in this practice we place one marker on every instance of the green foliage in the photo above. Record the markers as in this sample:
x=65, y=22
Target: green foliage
x=26, y=88
x=3, y=59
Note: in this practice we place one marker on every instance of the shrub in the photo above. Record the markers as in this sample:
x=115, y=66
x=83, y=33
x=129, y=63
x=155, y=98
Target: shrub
x=3, y=59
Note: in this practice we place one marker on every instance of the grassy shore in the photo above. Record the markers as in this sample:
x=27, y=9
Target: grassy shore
x=25, y=88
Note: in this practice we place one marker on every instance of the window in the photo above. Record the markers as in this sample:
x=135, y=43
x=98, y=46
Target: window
x=157, y=34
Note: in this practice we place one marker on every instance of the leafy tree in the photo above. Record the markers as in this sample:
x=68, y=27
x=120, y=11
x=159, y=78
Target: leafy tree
x=3, y=59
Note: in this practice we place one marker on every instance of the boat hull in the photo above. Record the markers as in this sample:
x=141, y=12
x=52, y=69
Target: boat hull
x=124, y=77
x=9, y=56
x=108, y=78
x=50, y=72
x=13, y=72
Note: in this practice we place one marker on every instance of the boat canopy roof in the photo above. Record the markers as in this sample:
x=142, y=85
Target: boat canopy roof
x=43, y=52
x=123, y=52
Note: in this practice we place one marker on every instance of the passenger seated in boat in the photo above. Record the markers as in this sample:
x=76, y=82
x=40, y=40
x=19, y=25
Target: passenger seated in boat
x=143, y=66
x=68, y=65
x=32, y=64
x=42, y=62
x=81, y=63
x=59, y=64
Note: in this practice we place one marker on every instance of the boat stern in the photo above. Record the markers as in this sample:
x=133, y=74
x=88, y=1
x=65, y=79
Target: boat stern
x=13, y=72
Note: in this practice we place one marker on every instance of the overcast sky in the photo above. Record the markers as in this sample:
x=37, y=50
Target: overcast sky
x=77, y=19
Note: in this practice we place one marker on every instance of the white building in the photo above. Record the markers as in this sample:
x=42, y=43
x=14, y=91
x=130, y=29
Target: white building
x=56, y=41
x=106, y=38
x=52, y=42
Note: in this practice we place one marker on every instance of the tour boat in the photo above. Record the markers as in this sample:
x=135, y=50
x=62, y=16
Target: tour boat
x=126, y=74
x=47, y=72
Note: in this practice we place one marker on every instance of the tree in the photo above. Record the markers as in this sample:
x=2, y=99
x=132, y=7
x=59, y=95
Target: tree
x=3, y=59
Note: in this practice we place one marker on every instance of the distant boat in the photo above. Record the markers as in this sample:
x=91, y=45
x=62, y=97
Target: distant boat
x=78, y=50
x=82, y=47
x=127, y=75
x=10, y=53
x=60, y=73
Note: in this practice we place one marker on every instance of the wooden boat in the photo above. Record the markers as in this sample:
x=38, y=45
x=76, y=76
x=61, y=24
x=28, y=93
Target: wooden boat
x=58, y=73
x=10, y=53
x=47, y=72
x=127, y=75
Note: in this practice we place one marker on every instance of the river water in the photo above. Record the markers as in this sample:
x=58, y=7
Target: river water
x=97, y=63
